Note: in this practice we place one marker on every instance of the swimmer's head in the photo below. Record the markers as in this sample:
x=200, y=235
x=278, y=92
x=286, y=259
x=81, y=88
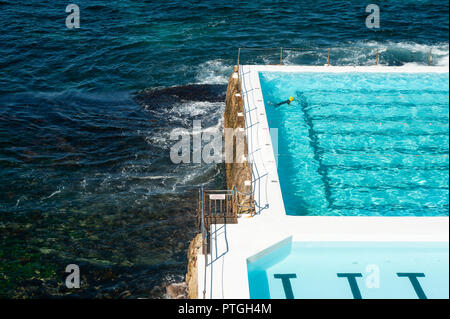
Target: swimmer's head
x=291, y=99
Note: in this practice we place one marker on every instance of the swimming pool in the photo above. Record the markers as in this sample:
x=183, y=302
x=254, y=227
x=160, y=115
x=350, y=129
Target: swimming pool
x=347, y=270
x=361, y=144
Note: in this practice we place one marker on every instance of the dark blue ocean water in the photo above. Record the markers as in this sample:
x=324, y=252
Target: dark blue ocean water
x=85, y=174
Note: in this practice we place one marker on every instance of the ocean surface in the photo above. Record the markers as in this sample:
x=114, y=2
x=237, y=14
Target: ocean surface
x=86, y=115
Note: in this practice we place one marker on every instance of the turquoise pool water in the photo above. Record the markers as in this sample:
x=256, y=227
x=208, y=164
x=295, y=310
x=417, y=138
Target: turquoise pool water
x=344, y=270
x=371, y=144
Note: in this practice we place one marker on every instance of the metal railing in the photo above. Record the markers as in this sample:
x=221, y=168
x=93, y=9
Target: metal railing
x=248, y=206
x=204, y=233
x=218, y=207
x=222, y=207
x=210, y=213
x=250, y=122
x=328, y=50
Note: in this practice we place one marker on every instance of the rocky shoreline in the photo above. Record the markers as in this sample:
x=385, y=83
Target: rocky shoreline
x=237, y=174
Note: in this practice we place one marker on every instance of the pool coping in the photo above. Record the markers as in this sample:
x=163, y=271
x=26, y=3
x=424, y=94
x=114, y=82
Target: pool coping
x=234, y=244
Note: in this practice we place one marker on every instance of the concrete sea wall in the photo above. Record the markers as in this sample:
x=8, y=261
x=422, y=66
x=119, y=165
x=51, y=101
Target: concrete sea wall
x=238, y=173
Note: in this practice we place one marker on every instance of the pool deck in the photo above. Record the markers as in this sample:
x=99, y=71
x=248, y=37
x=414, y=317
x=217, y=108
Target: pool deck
x=233, y=244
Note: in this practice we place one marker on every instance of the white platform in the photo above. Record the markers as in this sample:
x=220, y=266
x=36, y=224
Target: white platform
x=233, y=244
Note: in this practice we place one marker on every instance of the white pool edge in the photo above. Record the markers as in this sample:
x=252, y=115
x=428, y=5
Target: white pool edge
x=233, y=244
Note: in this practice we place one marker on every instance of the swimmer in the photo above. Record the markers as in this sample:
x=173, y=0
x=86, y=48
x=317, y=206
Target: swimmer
x=288, y=101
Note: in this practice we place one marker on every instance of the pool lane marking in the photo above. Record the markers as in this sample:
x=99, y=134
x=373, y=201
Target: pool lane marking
x=314, y=143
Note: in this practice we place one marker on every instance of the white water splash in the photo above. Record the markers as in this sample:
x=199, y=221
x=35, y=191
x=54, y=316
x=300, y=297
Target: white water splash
x=213, y=72
x=364, y=53
x=55, y=192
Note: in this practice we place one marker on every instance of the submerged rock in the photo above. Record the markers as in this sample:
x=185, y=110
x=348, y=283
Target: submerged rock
x=191, y=92
x=177, y=290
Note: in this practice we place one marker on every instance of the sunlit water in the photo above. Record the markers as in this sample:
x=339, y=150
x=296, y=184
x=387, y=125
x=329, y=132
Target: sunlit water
x=361, y=144
x=347, y=270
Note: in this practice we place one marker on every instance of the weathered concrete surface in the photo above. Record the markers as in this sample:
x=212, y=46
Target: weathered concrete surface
x=238, y=171
x=195, y=248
